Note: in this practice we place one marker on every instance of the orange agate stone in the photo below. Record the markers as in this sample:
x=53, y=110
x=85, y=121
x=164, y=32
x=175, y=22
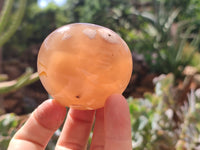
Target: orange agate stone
x=81, y=65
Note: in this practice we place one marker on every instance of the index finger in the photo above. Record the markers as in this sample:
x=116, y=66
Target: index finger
x=39, y=128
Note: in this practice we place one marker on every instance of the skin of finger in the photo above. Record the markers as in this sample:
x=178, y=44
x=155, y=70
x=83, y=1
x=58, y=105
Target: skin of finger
x=98, y=138
x=117, y=124
x=76, y=130
x=39, y=128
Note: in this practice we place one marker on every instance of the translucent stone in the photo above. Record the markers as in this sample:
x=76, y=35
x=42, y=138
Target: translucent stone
x=81, y=65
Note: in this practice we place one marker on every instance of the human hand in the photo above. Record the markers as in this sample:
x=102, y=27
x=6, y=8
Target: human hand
x=112, y=129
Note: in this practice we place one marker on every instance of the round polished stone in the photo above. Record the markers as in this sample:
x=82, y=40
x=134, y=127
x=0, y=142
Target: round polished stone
x=81, y=65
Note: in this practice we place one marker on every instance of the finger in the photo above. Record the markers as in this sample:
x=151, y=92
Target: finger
x=98, y=134
x=76, y=130
x=117, y=124
x=39, y=128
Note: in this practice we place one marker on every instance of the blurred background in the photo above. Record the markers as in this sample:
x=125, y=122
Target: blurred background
x=164, y=38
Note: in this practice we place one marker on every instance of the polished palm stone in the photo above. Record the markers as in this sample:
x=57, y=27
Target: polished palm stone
x=81, y=65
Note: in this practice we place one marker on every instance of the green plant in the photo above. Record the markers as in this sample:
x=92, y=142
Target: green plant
x=9, y=124
x=165, y=35
x=159, y=123
x=7, y=28
x=150, y=124
x=27, y=78
x=37, y=24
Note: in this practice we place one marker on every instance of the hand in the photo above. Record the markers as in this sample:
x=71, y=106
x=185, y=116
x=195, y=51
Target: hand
x=112, y=129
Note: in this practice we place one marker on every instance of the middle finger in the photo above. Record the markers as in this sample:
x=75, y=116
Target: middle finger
x=76, y=130
x=99, y=133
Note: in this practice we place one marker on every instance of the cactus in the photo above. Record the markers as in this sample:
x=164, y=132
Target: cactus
x=7, y=29
x=9, y=23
